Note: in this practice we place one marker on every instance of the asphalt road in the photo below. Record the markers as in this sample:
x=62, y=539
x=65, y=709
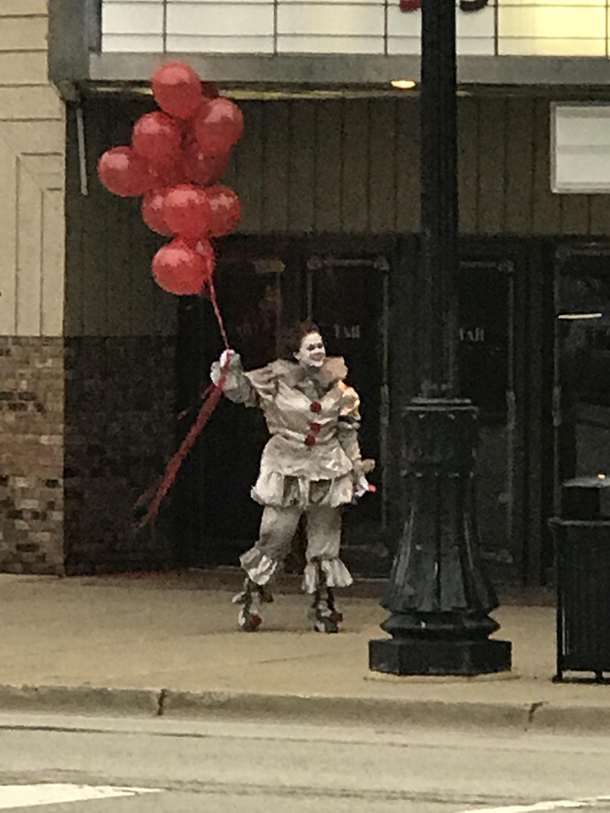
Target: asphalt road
x=121, y=765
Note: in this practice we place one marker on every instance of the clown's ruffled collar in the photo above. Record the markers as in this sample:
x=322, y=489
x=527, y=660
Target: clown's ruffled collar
x=332, y=371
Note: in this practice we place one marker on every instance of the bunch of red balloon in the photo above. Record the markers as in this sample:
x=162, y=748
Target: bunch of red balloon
x=176, y=158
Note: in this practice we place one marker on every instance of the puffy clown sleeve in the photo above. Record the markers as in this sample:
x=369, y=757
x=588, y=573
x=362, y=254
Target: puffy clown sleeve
x=237, y=386
x=348, y=426
x=250, y=388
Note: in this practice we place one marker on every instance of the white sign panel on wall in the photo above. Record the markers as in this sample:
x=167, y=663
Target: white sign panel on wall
x=484, y=27
x=580, y=153
x=552, y=28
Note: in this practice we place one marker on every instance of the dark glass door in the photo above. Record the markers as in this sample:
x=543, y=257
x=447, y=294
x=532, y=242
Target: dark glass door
x=347, y=297
x=486, y=368
x=582, y=364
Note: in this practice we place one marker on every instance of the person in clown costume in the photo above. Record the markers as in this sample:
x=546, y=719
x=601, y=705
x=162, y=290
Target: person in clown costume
x=311, y=466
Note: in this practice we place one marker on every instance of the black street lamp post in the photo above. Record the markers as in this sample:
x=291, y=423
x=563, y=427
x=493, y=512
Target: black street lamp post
x=438, y=596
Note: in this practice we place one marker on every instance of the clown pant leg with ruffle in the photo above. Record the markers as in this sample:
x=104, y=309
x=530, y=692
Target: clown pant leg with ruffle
x=278, y=527
x=323, y=543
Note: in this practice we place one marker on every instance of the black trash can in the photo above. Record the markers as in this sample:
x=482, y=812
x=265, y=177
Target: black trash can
x=582, y=545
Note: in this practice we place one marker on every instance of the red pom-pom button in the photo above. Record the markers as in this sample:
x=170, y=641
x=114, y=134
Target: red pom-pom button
x=310, y=440
x=316, y=406
x=315, y=427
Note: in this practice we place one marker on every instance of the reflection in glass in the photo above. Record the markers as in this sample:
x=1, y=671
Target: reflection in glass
x=583, y=371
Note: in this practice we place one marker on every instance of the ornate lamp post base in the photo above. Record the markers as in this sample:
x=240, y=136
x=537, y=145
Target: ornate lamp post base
x=438, y=595
x=403, y=656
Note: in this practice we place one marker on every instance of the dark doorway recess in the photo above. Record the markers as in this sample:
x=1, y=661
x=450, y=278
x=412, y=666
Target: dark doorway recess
x=349, y=287
x=261, y=288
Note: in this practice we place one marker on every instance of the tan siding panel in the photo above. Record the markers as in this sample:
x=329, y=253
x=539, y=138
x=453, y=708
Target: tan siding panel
x=468, y=178
x=408, y=187
x=25, y=68
x=519, y=166
x=48, y=169
x=249, y=168
x=29, y=282
x=8, y=237
x=75, y=264
x=382, y=148
x=355, y=167
x=302, y=166
x=328, y=167
x=98, y=228
x=275, y=159
x=30, y=103
x=492, y=156
x=547, y=207
x=22, y=8
x=600, y=215
x=32, y=129
x=23, y=33
x=36, y=136
x=574, y=214
x=53, y=259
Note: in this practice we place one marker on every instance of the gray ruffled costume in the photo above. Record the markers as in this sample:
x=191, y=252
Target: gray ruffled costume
x=309, y=466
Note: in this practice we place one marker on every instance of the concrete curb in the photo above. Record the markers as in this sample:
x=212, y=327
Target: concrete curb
x=319, y=709
x=79, y=699
x=539, y=716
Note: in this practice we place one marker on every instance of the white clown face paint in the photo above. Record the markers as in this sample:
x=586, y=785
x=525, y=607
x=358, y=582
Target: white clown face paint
x=312, y=351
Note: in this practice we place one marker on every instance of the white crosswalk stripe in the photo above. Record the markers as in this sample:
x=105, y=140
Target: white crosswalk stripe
x=546, y=807
x=15, y=796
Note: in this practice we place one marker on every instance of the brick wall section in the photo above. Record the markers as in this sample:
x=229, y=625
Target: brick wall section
x=31, y=455
x=119, y=437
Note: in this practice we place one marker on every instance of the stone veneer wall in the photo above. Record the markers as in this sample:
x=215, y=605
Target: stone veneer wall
x=119, y=437
x=31, y=455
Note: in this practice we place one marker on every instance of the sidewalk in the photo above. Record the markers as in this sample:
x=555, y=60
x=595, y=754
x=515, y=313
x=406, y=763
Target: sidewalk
x=168, y=644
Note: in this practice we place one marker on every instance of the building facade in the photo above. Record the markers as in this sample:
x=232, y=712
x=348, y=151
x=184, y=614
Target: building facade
x=32, y=225
x=328, y=175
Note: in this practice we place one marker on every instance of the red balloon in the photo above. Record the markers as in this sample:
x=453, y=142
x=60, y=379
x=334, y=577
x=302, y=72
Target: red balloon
x=177, y=89
x=171, y=175
x=225, y=210
x=124, y=173
x=203, y=169
x=152, y=211
x=179, y=269
x=157, y=137
x=204, y=248
x=186, y=210
x=218, y=125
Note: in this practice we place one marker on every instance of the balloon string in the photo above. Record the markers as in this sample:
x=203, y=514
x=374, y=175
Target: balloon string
x=153, y=496
x=214, y=301
x=157, y=492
